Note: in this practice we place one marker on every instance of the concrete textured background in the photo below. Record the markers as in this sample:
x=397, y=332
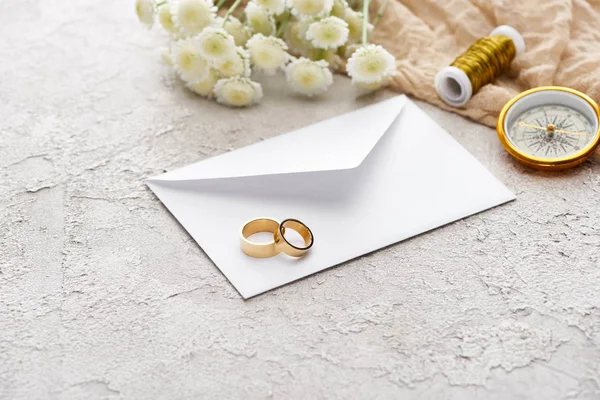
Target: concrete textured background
x=104, y=296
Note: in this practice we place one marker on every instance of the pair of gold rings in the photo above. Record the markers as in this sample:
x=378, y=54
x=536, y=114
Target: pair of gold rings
x=279, y=244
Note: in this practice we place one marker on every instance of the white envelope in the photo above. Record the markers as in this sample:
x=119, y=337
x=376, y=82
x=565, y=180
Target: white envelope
x=361, y=181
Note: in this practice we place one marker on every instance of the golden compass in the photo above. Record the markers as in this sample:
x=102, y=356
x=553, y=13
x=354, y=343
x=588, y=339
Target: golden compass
x=550, y=128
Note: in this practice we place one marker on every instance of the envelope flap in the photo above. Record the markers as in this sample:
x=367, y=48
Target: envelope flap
x=338, y=143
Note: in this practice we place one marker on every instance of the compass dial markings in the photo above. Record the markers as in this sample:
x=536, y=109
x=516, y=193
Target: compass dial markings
x=551, y=131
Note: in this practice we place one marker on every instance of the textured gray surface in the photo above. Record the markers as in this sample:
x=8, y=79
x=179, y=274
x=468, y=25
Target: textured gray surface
x=103, y=295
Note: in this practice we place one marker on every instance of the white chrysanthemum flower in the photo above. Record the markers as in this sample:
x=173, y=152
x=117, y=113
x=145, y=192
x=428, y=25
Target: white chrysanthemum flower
x=144, y=10
x=205, y=86
x=371, y=63
x=295, y=37
x=355, y=23
x=308, y=77
x=260, y=20
x=236, y=65
x=166, y=56
x=192, y=16
x=273, y=6
x=339, y=8
x=165, y=17
x=215, y=44
x=310, y=8
x=239, y=31
x=237, y=92
x=188, y=62
x=268, y=54
x=328, y=33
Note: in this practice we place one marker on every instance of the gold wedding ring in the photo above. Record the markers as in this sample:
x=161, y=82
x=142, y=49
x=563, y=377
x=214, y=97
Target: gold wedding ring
x=259, y=250
x=279, y=243
x=282, y=244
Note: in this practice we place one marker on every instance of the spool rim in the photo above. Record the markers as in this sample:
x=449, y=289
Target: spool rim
x=513, y=34
x=453, y=86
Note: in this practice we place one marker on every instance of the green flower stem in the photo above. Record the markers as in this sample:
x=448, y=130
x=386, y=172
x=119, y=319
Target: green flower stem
x=283, y=25
x=162, y=3
x=365, y=39
x=380, y=12
x=315, y=54
x=231, y=10
x=220, y=3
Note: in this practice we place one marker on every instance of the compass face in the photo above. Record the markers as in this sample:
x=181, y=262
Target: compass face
x=551, y=131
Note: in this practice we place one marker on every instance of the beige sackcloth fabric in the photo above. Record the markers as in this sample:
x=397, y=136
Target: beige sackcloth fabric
x=562, y=39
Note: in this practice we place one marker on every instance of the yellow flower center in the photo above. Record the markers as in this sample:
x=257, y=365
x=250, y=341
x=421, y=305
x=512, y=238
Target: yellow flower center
x=373, y=66
x=329, y=34
x=187, y=59
x=309, y=7
x=308, y=79
x=239, y=96
x=214, y=46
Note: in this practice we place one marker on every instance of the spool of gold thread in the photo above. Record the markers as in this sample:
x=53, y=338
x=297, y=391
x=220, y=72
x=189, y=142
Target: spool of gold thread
x=482, y=63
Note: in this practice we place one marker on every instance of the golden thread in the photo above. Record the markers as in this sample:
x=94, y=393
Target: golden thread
x=486, y=59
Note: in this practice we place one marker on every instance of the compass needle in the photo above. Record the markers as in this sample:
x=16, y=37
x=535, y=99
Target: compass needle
x=541, y=128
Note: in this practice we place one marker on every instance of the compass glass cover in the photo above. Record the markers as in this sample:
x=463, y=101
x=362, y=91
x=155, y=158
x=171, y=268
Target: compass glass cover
x=551, y=131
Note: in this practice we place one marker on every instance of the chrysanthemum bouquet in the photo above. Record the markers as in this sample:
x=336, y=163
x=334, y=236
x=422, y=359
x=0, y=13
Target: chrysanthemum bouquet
x=214, y=52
